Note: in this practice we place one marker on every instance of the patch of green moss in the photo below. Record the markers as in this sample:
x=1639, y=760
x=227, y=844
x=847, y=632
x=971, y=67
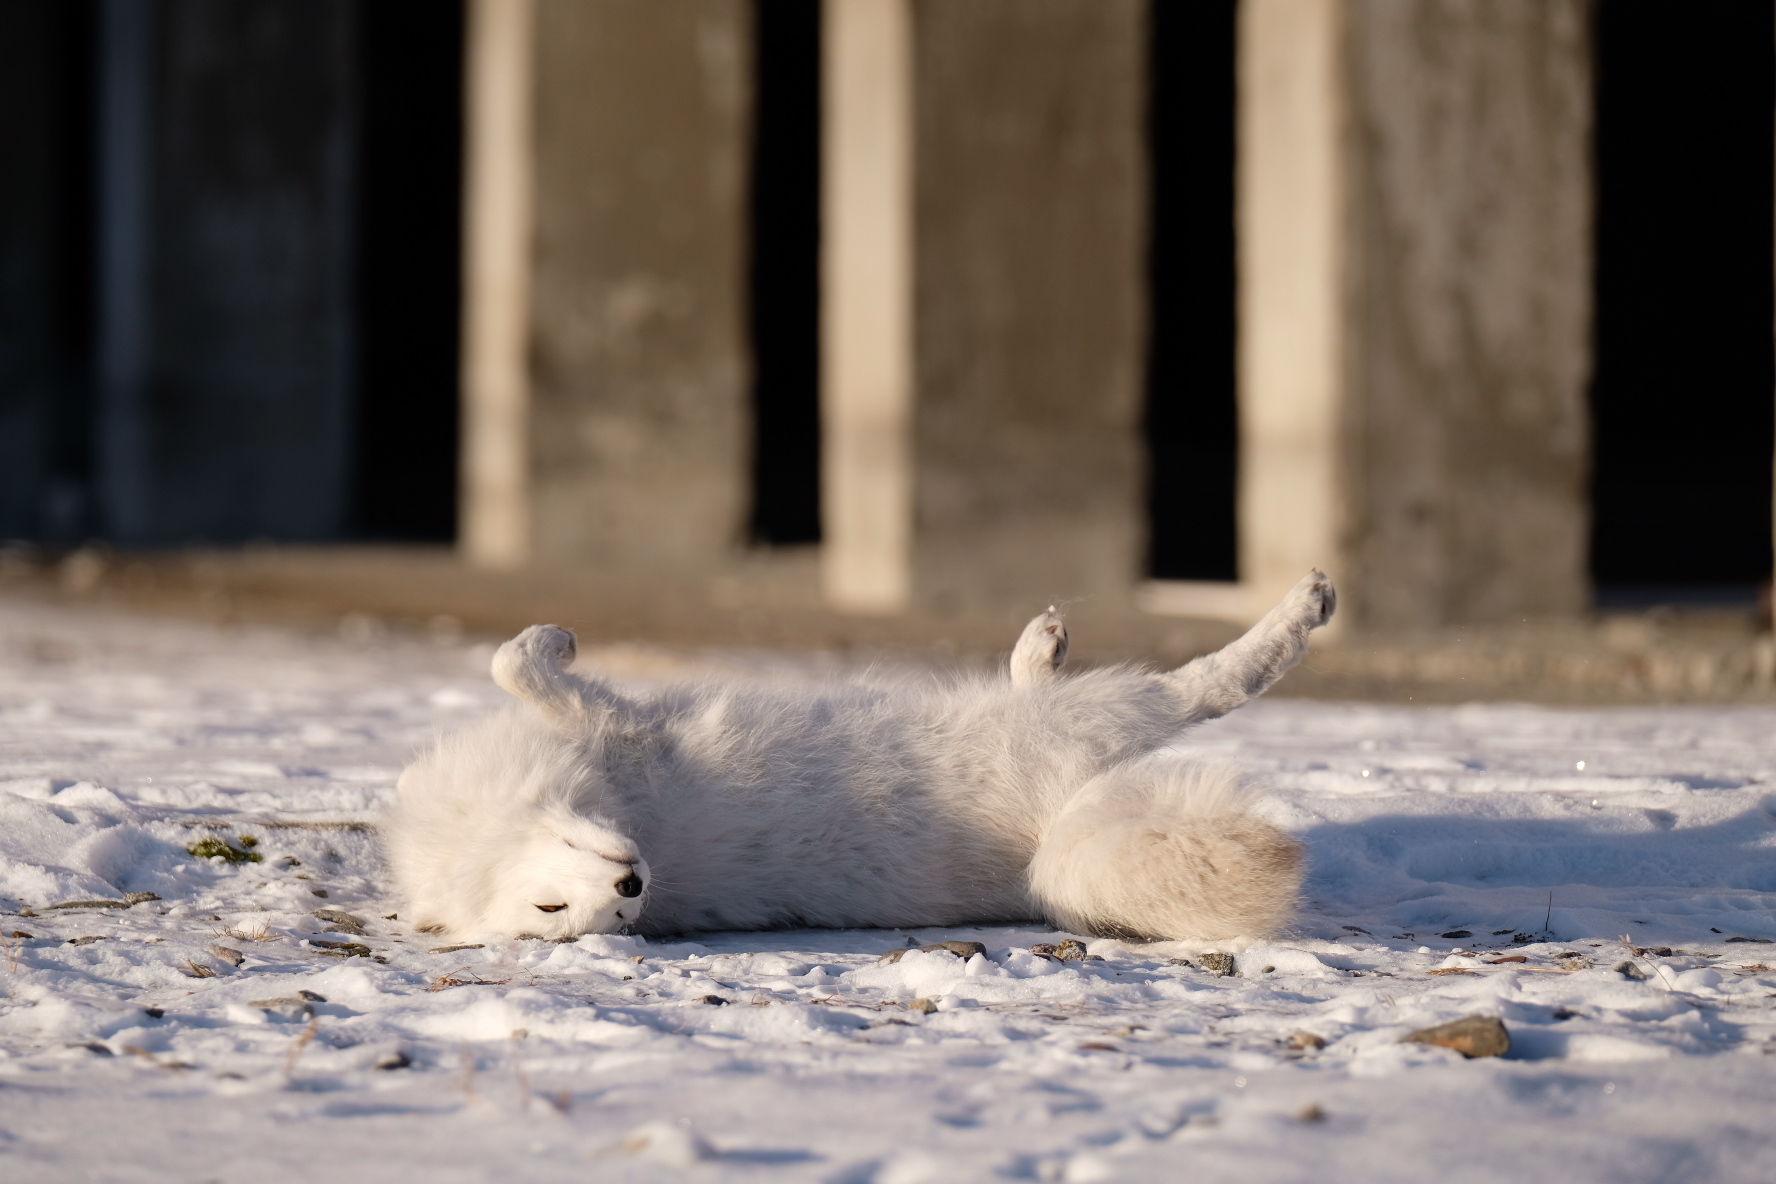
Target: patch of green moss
x=213, y=846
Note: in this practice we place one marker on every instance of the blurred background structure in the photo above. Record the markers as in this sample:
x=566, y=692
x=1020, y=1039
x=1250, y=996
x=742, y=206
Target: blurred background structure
x=837, y=322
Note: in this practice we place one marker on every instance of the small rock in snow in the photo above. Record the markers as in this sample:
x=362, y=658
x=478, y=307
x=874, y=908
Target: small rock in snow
x=1630, y=970
x=962, y=949
x=1472, y=1036
x=1219, y=965
x=342, y=920
x=285, y=1008
x=340, y=949
x=713, y=1000
x=90, y=904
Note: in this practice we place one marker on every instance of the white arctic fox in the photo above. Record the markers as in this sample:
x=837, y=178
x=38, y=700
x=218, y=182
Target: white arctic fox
x=723, y=805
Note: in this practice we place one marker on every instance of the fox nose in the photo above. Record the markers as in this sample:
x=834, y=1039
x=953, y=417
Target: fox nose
x=629, y=885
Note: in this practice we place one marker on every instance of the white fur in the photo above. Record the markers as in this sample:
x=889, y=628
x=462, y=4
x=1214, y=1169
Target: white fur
x=1020, y=798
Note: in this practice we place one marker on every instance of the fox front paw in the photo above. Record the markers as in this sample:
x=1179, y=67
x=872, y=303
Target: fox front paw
x=530, y=665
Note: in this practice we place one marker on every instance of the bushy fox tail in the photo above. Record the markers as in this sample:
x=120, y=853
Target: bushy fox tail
x=1163, y=850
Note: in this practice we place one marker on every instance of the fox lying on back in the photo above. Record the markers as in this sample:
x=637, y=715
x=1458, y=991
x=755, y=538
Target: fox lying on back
x=723, y=805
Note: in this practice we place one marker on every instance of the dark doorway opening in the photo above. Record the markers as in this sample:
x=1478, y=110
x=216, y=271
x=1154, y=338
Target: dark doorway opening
x=46, y=86
x=229, y=270
x=1192, y=419
x=784, y=287
x=1685, y=370
x=409, y=268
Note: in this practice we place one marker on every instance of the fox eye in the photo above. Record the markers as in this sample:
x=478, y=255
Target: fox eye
x=629, y=885
x=551, y=908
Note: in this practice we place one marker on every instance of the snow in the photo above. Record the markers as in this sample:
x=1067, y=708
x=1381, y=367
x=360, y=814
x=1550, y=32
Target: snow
x=146, y=1054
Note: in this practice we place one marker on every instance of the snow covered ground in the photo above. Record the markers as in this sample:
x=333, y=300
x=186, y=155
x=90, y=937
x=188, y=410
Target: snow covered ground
x=133, y=1047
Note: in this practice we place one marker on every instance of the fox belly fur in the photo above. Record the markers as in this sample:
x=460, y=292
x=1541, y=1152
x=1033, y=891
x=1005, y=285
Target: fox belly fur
x=726, y=805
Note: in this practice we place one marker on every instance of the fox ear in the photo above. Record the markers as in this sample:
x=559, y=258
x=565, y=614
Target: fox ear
x=533, y=666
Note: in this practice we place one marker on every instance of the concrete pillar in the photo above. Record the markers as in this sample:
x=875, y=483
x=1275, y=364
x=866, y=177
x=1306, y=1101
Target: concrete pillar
x=1469, y=339
x=1029, y=263
x=495, y=513
x=866, y=305
x=638, y=349
x=611, y=430
x=983, y=268
x=1414, y=305
x=1292, y=276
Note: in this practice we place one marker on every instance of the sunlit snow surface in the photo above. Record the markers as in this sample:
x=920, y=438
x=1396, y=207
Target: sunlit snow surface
x=123, y=741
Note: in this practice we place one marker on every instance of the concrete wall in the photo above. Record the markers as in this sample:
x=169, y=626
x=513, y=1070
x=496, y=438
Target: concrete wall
x=1414, y=299
x=637, y=354
x=1469, y=316
x=1029, y=268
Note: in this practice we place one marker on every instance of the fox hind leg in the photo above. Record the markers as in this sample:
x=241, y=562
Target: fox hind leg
x=1040, y=651
x=1239, y=672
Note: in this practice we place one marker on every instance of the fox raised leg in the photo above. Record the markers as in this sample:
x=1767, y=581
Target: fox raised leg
x=1239, y=672
x=534, y=667
x=1041, y=649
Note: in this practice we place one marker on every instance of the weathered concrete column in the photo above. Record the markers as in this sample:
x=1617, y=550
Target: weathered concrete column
x=866, y=372
x=1469, y=351
x=616, y=424
x=982, y=272
x=1292, y=275
x=1029, y=263
x=1415, y=304
x=496, y=281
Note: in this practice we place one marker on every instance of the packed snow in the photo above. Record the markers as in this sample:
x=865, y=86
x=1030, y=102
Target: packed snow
x=1602, y=881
